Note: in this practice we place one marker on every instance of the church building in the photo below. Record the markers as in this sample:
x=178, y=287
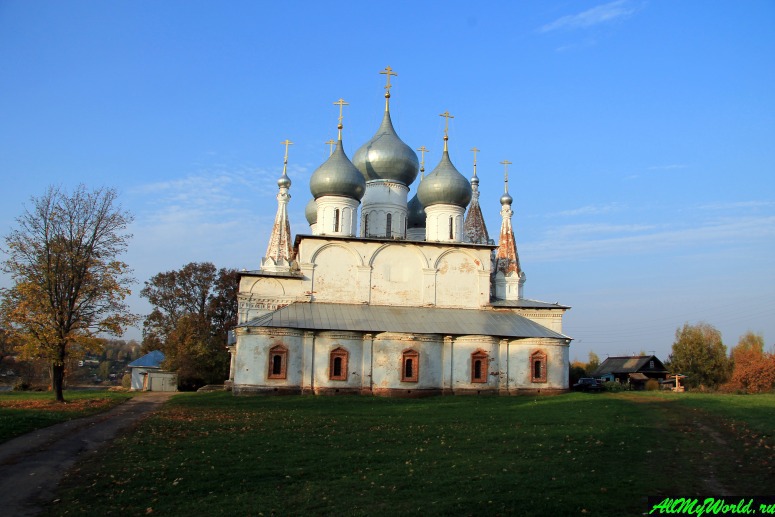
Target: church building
x=386, y=295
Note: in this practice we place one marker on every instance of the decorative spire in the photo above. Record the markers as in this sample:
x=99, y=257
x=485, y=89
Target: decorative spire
x=506, y=257
x=284, y=180
x=331, y=144
x=388, y=72
x=422, y=150
x=341, y=104
x=474, y=229
x=447, y=116
x=280, y=250
x=474, y=179
x=506, y=199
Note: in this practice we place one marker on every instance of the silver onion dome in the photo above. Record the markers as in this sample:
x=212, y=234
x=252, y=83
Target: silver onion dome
x=506, y=199
x=337, y=177
x=284, y=181
x=415, y=213
x=444, y=185
x=387, y=157
x=311, y=212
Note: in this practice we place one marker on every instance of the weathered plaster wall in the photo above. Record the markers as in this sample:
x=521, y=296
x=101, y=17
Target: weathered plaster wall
x=252, y=360
x=387, y=362
x=458, y=374
x=324, y=344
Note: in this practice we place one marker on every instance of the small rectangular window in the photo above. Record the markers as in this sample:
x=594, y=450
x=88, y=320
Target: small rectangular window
x=479, y=367
x=538, y=367
x=410, y=366
x=278, y=362
x=337, y=366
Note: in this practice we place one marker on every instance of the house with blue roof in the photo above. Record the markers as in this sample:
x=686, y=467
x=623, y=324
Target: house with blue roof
x=147, y=374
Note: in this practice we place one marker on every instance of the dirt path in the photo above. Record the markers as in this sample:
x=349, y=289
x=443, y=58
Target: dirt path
x=32, y=465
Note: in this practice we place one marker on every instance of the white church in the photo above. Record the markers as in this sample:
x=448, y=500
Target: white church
x=390, y=296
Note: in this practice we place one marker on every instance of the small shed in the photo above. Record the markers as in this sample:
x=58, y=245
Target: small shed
x=147, y=374
x=634, y=370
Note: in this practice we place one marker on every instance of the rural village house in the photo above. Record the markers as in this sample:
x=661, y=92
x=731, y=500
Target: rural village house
x=633, y=370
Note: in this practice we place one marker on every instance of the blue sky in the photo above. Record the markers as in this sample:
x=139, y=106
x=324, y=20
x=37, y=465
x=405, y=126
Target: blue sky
x=642, y=135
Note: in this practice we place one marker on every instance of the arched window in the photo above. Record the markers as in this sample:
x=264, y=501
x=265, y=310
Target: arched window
x=278, y=362
x=479, y=366
x=366, y=225
x=451, y=229
x=337, y=366
x=389, y=226
x=336, y=219
x=410, y=366
x=538, y=366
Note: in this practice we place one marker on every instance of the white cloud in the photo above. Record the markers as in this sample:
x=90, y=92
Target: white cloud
x=605, y=13
x=563, y=242
x=736, y=205
x=591, y=210
x=571, y=230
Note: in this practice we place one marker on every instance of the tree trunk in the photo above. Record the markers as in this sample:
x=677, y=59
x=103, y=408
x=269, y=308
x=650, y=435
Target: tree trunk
x=58, y=373
x=57, y=380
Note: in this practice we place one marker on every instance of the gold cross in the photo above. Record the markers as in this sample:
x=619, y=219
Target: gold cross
x=446, y=123
x=475, y=150
x=286, y=144
x=506, y=164
x=331, y=146
x=422, y=150
x=388, y=72
x=341, y=104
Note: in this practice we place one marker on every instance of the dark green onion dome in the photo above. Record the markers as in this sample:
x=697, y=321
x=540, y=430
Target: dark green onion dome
x=386, y=157
x=311, y=212
x=415, y=213
x=337, y=177
x=444, y=185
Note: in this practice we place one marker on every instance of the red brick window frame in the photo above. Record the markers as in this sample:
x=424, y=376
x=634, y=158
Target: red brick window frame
x=538, y=367
x=479, y=366
x=278, y=362
x=410, y=365
x=337, y=364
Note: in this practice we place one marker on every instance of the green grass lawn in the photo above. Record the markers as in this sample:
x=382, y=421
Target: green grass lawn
x=574, y=454
x=22, y=412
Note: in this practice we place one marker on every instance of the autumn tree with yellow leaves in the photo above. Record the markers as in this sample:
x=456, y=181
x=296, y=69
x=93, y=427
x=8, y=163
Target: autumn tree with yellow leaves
x=69, y=286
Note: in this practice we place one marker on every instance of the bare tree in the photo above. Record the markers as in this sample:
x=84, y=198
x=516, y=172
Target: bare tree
x=69, y=286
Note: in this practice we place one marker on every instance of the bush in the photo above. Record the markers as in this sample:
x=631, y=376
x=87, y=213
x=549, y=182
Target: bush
x=126, y=381
x=22, y=386
x=614, y=386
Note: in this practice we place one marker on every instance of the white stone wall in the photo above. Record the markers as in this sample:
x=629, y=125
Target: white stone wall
x=348, y=216
x=395, y=273
x=458, y=355
x=375, y=363
x=251, y=366
x=260, y=295
x=415, y=234
x=519, y=365
x=384, y=197
x=549, y=318
x=387, y=357
x=319, y=371
x=437, y=221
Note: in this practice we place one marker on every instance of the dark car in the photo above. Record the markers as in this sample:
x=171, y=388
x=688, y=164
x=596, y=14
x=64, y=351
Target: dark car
x=588, y=384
